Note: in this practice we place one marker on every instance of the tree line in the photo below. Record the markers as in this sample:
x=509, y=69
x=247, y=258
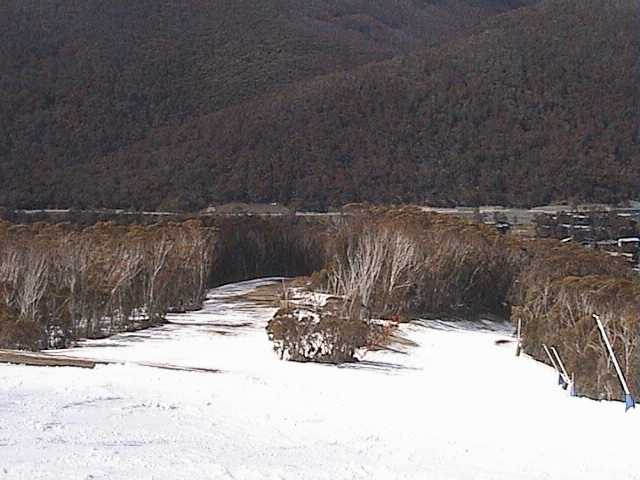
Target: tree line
x=60, y=282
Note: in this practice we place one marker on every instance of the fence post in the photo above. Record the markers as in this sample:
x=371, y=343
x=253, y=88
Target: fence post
x=565, y=375
x=629, y=401
x=555, y=365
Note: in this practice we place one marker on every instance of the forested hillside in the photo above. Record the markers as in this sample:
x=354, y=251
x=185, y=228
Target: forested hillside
x=183, y=104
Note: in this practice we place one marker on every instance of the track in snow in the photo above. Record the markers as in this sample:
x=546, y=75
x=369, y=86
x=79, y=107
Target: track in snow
x=456, y=407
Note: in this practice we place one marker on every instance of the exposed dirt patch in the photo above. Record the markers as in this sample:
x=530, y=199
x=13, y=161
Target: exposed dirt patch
x=272, y=294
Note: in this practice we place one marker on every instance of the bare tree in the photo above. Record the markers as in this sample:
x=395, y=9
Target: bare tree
x=32, y=285
x=156, y=259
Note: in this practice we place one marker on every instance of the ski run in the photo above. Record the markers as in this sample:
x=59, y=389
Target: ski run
x=457, y=406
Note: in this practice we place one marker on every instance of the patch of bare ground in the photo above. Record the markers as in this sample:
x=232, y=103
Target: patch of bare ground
x=272, y=294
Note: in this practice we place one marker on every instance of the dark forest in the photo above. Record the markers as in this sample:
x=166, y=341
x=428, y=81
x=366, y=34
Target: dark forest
x=177, y=106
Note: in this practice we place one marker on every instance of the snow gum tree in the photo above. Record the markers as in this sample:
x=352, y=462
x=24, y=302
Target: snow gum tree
x=60, y=282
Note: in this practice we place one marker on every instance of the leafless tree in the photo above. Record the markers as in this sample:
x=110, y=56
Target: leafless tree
x=32, y=284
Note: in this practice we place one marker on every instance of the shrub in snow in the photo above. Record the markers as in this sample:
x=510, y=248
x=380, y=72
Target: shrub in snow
x=307, y=336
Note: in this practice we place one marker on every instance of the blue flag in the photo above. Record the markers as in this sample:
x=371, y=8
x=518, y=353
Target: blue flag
x=629, y=402
x=562, y=382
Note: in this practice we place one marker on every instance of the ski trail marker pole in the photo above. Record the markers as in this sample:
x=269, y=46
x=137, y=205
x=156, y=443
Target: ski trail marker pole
x=628, y=398
x=555, y=365
x=551, y=359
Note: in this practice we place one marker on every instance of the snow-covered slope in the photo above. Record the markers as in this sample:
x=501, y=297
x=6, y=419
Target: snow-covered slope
x=455, y=407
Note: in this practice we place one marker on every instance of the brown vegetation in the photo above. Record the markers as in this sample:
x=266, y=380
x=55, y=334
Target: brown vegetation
x=393, y=261
x=58, y=282
x=86, y=81
x=558, y=292
x=172, y=105
x=317, y=336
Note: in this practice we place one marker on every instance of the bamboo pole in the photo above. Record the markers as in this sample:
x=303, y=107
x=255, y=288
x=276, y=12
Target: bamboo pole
x=612, y=355
x=564, y=370
x=551, y=359
x=629, y=400
x=561, y=380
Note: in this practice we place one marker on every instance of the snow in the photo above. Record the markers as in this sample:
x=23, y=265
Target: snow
x=456, y=406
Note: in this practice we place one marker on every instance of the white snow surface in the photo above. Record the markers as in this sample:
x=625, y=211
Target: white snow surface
x=457, y=406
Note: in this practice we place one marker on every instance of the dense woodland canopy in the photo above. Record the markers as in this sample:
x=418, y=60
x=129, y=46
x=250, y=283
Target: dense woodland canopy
x=185, y=103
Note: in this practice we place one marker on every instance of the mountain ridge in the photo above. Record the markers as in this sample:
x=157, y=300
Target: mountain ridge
x=363, y=134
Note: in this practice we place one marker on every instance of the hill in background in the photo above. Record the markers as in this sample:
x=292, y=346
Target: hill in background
x=182, y=104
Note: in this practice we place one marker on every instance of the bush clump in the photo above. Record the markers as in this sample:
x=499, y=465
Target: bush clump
x=303, y=335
